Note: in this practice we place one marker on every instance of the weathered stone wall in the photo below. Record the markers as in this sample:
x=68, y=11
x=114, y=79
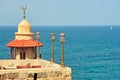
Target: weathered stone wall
x=48, y=71
x=37, y=74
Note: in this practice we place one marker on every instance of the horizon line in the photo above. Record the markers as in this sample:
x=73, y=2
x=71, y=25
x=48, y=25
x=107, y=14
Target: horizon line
x=59, y=25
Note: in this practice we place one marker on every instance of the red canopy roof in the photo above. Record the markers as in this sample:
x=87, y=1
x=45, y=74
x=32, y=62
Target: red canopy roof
x=24, y=43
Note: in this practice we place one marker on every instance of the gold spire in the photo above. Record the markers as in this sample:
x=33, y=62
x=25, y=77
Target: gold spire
x=24, y=11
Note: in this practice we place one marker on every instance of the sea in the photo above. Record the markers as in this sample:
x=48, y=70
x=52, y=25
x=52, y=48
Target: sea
x=92, y=52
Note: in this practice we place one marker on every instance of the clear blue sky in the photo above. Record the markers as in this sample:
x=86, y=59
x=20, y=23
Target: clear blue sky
x=61, y=12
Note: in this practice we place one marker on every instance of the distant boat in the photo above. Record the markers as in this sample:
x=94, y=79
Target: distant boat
x=110, y=27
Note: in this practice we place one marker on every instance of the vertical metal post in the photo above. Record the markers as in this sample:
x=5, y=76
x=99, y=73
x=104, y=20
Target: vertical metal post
x=52, y=39
x=52, y=60
x=62, y=62
x=38, y=48
x=38, y=52
x=62, y=40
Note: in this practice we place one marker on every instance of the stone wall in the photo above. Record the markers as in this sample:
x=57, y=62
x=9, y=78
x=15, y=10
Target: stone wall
x=37, y=74
x=48, y=71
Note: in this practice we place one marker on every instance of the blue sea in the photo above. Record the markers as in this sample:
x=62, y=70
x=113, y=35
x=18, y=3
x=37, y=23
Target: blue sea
x=93, y=52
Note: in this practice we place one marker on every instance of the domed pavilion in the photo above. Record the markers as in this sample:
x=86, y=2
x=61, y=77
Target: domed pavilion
x=24, y=46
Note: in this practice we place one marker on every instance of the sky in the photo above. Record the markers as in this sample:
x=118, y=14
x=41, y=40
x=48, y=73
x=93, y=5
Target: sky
x=60, y=12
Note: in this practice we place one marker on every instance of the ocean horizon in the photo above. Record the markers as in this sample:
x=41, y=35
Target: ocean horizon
x=92, y=52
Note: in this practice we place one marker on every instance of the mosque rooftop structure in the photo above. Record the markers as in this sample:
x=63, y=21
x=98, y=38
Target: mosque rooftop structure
x=25, y=61
x=24, y=43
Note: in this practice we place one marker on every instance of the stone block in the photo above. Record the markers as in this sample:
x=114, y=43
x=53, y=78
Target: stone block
x=66, y=74
x=42, y=75
x=58, y=73
x=54, y=73
x=68, y=78
x=55, y=78
x=23, y=75
x=62, y=78
x=40, y=79
x=13, y=76
x=30, y=75
x=29, y=79
x=46, y=79
x=4, y=76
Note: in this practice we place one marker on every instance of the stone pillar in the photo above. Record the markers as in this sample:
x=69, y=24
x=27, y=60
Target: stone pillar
x=12, y=53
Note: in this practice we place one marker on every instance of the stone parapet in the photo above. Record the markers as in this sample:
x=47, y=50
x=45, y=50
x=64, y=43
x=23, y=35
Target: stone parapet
x=37, y=74
x=45, y=70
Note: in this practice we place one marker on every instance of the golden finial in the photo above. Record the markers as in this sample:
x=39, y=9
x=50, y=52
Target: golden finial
x=24, y=11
